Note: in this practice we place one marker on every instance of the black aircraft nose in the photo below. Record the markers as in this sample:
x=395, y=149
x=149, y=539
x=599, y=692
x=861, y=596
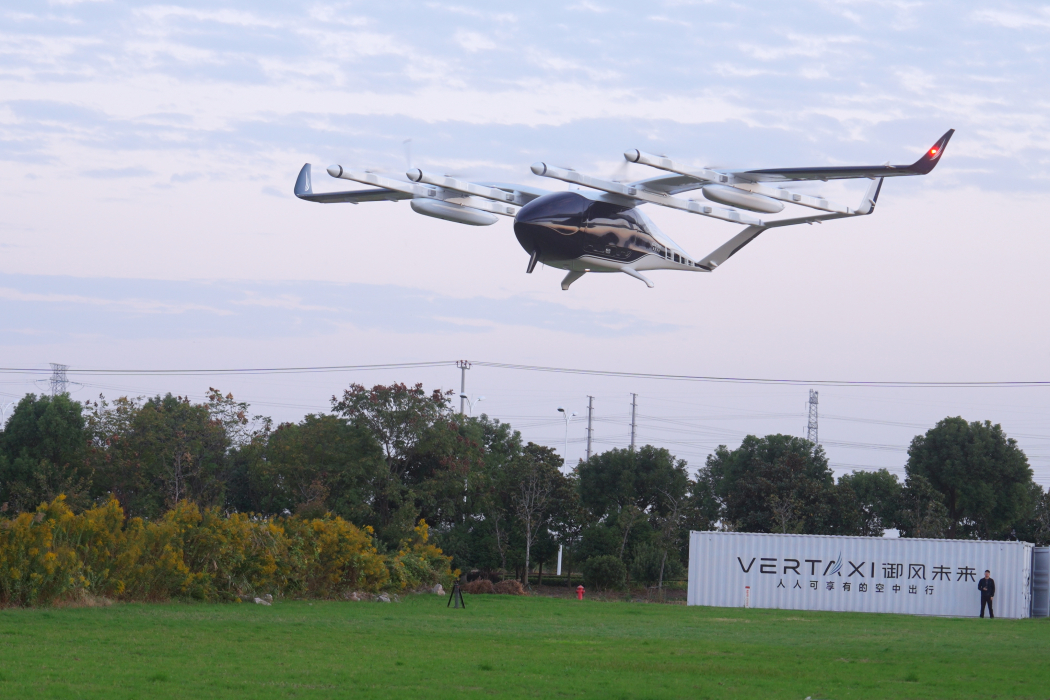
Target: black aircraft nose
x=545, y=226
x=562, y=212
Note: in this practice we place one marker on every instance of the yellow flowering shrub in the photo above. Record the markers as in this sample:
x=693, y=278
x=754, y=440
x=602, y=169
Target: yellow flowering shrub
x=155, y=568
x=100, y=541
x=234, y=555
x=418, y=563
x=54, y=555
x=330, y=556
x=35, y=569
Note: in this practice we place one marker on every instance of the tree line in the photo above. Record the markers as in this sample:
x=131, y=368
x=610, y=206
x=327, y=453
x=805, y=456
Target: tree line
x=387, y=457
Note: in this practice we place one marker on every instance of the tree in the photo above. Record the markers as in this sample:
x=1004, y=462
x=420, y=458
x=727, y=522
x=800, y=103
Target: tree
x=398, y=417
x=604, y=573
x=439, y=471
x=537, y=475
x=569, y=519
x=650, y=566
x=983, y=475
x=152, y=454
x=631, y=495
x=703, y=508
x=921, y=512
x=320, y=464
x=878, y=495
x=43, y=450
x=1035, y=526
x=776, y=483
x=611, y=481
x=668, y=525
x=468, y=481
x=118, y=469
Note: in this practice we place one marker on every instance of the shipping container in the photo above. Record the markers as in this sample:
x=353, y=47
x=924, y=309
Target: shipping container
x=857, y=574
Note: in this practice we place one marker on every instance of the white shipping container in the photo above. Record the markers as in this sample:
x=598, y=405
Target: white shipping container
x=857, y=574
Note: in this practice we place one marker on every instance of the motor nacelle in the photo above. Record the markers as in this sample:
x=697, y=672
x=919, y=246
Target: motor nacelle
x=744, y=200
x=452, y=212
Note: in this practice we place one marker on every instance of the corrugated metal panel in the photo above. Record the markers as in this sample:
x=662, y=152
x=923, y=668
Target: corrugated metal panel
x=1041, y=582
x=861, y=574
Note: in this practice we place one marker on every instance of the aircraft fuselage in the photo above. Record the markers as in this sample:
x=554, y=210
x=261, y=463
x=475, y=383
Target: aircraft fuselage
x=569, y=231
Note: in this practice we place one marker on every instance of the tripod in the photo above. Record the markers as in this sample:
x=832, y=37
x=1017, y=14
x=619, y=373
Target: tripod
x=457, y=596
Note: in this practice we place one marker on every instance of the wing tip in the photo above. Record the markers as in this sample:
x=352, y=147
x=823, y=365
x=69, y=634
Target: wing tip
x=303, y=186
x=932, y=155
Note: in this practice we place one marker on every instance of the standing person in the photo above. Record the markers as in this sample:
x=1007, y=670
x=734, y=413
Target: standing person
x=987, y=588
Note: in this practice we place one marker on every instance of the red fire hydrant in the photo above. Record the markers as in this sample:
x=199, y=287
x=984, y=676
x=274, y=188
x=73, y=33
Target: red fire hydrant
x=579, y=592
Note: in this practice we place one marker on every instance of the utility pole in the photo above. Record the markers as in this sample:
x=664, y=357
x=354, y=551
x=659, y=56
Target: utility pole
x=811, y=428
x=59, y=383
x=463, y=365
x=590, y=429
x=634, y=406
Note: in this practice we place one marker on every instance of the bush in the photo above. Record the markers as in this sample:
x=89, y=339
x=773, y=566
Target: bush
x=37, y=565
x=331, y=556
x=509, y=587
x=604, y=573
x=53, y=555
x=645, y=569
x=479, y=586
x=420, y=564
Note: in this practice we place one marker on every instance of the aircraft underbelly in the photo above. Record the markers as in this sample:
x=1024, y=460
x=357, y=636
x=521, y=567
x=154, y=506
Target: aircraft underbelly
x=556, y=246
x=588, y=263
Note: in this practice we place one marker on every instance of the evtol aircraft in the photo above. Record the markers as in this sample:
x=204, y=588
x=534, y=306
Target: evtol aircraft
x=602, y=228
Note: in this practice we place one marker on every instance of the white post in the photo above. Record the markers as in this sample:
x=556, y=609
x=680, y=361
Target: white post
x=559, y=558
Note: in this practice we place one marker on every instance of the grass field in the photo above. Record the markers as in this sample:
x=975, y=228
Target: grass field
x=503, y=646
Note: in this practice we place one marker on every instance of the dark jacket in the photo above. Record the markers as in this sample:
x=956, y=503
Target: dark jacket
x=987, y=587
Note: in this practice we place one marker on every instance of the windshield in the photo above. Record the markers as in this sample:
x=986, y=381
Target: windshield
x=655, y=231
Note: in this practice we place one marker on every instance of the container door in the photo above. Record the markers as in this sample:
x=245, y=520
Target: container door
x=1041, y=582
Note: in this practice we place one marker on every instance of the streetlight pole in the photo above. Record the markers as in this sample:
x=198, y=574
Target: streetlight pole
x=470, y=404
x=565, y=449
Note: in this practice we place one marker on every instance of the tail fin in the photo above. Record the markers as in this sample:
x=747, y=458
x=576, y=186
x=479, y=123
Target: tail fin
x=929, y=158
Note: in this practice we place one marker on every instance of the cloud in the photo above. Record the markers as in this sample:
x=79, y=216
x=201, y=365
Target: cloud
x=67, y=307
x=1039, y=18
x=589, y=6
x=474, y=41
x=225, y=84
x=149, y=306
x=112, y=173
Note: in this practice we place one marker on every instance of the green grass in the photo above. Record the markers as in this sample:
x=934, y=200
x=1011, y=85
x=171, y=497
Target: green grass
x=502, y=646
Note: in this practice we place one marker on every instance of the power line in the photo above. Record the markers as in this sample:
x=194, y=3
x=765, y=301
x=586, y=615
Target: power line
x=757, y=380
x=537, y=368
x=208, y=372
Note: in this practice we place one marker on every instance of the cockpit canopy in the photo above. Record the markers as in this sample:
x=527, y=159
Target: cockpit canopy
x=568, y=212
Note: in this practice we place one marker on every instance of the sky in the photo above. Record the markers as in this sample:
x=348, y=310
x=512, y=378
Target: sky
x=148, y=154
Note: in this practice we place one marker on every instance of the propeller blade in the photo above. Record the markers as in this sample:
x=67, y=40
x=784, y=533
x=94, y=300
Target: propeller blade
x=407, y=144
